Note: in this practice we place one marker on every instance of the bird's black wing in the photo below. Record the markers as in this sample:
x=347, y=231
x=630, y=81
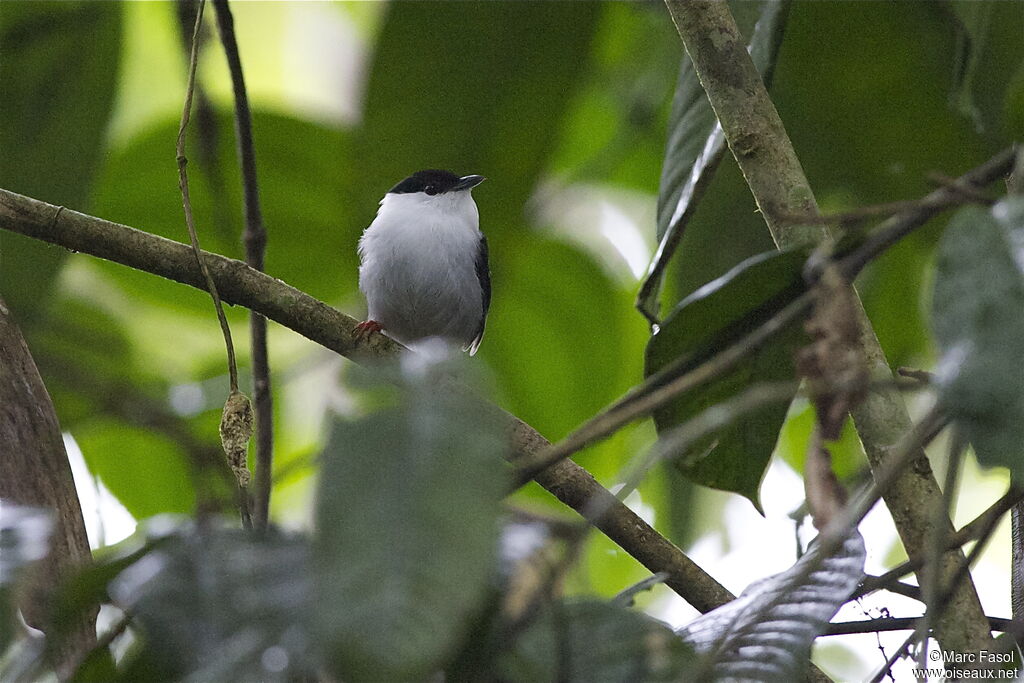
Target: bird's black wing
x=483, y=274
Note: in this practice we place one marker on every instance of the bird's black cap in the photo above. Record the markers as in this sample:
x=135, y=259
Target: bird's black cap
x=435, y=181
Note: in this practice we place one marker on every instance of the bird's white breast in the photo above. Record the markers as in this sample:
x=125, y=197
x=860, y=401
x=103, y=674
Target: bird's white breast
x=418, y=266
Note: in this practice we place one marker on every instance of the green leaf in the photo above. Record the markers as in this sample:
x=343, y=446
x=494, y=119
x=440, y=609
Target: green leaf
x=219, y=604
x=847, y=452
x=591, y=641
x=407, y=527
x=978, y=317
x=145, y=470
x=492, y=102
x=695, y=141
x=709, y=320
x=57, y=82
x=302, y=170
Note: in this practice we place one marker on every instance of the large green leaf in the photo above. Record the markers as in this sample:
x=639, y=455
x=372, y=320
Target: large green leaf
x=696, y=143
x=591, y=641
x=718, y=314
x=302, y=170
x=57, y=78
x=978, y=316
x=145, y=470
x=407, y=526
x=614, y=132
x=477, y=87
x=897, y=57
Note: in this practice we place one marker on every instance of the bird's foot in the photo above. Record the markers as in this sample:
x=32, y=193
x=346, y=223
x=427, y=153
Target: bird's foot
x=365, y=328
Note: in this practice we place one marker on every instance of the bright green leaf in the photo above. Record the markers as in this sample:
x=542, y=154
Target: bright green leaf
x=978, y=317
x=145, y=471
x=716, y=315
x=302, y=170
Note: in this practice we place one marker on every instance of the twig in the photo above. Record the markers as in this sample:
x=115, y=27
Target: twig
x=654, y=392
x=863, y=214
x=235, y=459
x=255, y=240
x=885, y=624
x=922, y=376
x=969, y=532
x=186, y=201
x=626, y=596
x=968, y=192
x=902, y=650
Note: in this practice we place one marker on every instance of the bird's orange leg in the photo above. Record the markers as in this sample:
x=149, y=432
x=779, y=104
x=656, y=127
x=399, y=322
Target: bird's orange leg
x=365, y=328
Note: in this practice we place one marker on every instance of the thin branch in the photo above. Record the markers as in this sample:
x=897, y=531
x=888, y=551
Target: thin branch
x=236, y=460
x=241, y=285
x=922, y=376
x=896, y=228
x=969, y=532
x=969, y=193
x=255, y=240
x=901, y=651
x=886, y=624
x=654, y=392
x=186, y=201
x=765, y=154
x=667, y=383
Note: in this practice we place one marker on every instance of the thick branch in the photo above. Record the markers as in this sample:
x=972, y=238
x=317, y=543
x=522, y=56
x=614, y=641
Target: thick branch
x=34, y=470
x=766, y=157
x=241, y=285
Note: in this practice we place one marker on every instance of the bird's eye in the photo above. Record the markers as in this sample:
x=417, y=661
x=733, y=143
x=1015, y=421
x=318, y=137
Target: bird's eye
x=430, y=189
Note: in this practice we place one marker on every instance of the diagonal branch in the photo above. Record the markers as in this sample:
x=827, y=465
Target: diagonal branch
x=766, y=157
x=241, y=285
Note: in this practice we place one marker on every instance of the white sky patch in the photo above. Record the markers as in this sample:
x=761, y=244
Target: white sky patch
x=752, y=548
x=106, y=520
x=615, y=225
x=624, y=234
x=323, y=63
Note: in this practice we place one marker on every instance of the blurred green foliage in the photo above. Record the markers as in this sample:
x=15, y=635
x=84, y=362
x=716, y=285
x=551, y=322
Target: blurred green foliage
x=542, y=98
x=978, y=312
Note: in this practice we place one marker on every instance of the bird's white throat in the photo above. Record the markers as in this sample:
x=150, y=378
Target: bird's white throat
x=418, y=267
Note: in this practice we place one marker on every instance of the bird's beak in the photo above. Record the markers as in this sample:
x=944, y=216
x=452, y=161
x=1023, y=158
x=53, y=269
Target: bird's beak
x=469, y=181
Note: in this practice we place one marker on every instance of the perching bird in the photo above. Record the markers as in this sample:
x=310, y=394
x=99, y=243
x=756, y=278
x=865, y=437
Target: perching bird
x=424, y=262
